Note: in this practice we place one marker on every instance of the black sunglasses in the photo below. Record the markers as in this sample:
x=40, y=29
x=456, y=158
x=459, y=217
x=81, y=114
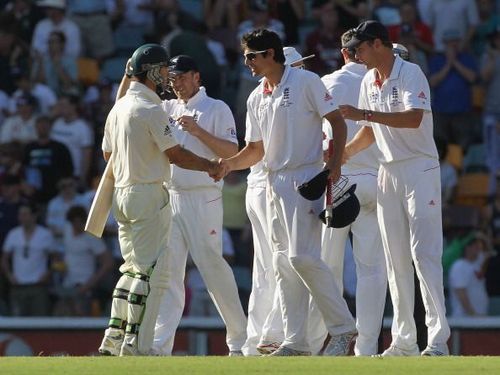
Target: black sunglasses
x=252, y=55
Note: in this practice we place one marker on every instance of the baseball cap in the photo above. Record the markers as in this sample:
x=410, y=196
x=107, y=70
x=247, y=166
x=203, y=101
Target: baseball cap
x=368, y=30
x=293, y=57
x=182, y=64
x=58, y=4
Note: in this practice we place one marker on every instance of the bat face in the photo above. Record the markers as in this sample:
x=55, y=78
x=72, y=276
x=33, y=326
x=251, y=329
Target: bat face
x=101, y=205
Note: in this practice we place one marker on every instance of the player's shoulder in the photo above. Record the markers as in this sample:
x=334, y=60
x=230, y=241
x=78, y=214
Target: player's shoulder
x=410, y=69
x=217, y=104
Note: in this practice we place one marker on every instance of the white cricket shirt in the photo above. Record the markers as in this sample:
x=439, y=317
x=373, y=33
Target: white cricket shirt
x=288, y=120
x=344, y=85
x=212, y=115
x=406, y=88
x=137, y=132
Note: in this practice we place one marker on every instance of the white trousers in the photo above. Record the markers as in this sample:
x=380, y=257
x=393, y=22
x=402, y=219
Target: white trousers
x=409, y=212
x=371, y=287
x=197, y=228
x=296, y=243
x=264, y=310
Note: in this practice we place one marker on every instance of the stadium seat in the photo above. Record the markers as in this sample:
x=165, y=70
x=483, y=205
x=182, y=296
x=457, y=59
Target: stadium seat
x=455, y=156
x=475, y=159
x=472, y=189
x=88, y=71
x=113, y=68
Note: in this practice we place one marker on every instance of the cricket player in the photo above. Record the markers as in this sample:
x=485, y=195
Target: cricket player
x=205, y=126
x=265, y=323
x=139, y=143
x=344, y=85
x=394, y=107
x=284, y=115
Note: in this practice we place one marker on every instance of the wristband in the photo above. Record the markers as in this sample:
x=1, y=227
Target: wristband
x=367, y=115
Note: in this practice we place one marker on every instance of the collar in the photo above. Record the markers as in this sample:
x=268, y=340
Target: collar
x=355, y=68
x=142, y=89
x=266, y=90
x=196, y=98
x=396, y=70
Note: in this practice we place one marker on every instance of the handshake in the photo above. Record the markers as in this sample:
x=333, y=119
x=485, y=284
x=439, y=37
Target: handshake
x=218, y=169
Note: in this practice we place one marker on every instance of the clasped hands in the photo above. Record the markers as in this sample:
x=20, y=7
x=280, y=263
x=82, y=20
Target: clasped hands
x=218, y=169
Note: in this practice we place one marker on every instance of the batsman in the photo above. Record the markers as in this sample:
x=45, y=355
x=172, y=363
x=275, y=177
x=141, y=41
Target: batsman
x=139, y=144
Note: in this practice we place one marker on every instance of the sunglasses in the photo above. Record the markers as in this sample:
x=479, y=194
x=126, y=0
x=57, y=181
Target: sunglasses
x=252, y=55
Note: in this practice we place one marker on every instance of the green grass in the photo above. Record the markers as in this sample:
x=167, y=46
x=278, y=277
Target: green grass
x=254, y=365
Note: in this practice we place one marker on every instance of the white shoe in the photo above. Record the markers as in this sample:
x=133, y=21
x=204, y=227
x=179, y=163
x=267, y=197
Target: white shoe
x=235, y=353
x=267, y=347
x=394, y=351
x=112, y=342
x=341, y=345
x=129, y=346
x=435, y=351
x=284, y=351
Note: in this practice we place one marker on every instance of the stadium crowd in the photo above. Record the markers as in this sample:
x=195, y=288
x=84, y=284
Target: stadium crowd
x=61, y=62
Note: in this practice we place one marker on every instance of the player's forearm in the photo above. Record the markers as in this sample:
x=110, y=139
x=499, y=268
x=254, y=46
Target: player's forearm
x=122, y=89
x=221, y=147
x=409, y=119
x=250, y=155
x=465, y=301
x=363, y=139
x=186, y=159
x=339, y=130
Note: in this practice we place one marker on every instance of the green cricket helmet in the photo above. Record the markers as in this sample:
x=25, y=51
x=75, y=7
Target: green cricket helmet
x=148, y=59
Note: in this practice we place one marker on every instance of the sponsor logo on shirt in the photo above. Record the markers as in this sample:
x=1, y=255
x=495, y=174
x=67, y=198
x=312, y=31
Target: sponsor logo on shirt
x=373, y=96
x=394, y=96
x=422, y=97
x=285, y=101
x=327, y=97
x=167, y=130
x=232, y=132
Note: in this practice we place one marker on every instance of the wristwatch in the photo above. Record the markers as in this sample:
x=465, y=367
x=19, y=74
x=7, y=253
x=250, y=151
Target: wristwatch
x=367, y=115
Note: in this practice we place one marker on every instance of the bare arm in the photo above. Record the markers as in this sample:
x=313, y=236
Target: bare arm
x=221, y=147
x=339, y=130
x=362, y=140
x=124, y=85
x=6, y=260
x=438, y=77
x=248, y=156
x=465, y=301
x=409, y=119
x=188, y=160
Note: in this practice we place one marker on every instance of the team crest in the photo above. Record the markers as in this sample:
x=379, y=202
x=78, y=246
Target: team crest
x=285, y=102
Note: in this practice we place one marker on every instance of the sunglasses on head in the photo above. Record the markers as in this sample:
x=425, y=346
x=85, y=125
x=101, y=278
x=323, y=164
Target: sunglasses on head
x=252, y=55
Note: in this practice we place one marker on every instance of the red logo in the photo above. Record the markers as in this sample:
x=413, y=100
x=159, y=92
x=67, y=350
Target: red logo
x=213, y=232
x=311, y=212
x=422, y=95
x=432, y=203
x=328, y=97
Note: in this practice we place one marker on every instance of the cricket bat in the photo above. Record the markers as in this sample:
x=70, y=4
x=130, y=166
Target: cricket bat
x=329, y=192
x=101, y=204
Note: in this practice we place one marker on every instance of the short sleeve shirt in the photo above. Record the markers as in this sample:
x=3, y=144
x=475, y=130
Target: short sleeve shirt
x=137, y=132
x=212, y=115
x=406, y=88
x=289, y=120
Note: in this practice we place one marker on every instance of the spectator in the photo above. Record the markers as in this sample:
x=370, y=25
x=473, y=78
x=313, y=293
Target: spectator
x=466, y=279
x=26, y=15
x=11, y=160
x=324, y=42
x=87, y=261
x=460, y=15
x=14, y=54
x=387, y=12
x=56, y=20
x=71, y=130
x=350, y=12
x=490, y=74
x=94, y=23
x=46, y=161
x=222, y=18
x=451, y=75
x=411, y=32
x=449, y=177
x=25, y=260
x=489, y=23
x=56, y=69
x=45, y=97
x=21, y=127
x=493, y=220
x=10, y=201
x=58, y=208
x=290, y=13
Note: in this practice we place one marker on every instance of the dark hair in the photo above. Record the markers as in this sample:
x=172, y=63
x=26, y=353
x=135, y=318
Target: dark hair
x=33, y=207
x=73, y=99
x=43, y=118
x=263, y=39
x=76, y=212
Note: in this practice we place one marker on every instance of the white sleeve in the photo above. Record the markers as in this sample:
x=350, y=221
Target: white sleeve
x=9, y=243
x=106, y=139
x=225, y=127
x=253, y=132
x=363, y=102
x=460, y=274
x=159, y=127
x=415, y=88
x=318, y=96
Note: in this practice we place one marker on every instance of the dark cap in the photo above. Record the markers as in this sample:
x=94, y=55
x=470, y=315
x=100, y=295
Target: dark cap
x=182, y=64
x=345, y=210
x=368, y=30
